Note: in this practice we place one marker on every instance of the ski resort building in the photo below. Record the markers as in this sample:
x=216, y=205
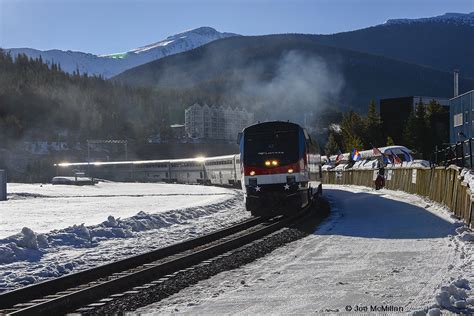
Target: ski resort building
x=206, y=122
x=461, y=117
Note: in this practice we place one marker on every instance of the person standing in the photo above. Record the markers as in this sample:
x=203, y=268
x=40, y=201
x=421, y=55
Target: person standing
x=380, y=180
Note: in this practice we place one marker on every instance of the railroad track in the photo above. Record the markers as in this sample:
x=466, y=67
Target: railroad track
x=71, y=292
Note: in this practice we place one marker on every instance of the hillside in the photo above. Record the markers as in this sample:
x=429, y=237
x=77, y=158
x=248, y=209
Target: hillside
x=292, y=69
x=438, y=43
x=39, y=102
x=46, y=116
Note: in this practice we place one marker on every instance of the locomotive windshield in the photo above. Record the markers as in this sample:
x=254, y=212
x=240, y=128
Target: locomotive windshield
x=280, y=145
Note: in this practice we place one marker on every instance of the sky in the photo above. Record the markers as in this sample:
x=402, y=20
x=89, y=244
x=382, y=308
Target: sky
x=111, y=26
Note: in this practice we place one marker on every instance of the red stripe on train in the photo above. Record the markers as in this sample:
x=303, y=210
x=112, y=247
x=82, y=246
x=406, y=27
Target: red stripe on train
x=273, y=170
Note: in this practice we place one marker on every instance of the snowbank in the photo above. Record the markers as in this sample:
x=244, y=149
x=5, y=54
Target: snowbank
x=28, y=257
x=458, y=295
x=44, y=207
x=28, y=245
x=468, y=177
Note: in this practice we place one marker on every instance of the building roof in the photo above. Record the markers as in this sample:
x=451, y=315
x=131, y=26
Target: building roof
x=465, y=93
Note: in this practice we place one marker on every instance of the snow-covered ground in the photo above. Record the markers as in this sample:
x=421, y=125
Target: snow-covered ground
x=44, y=207
x=48, y=230
x=377, y=248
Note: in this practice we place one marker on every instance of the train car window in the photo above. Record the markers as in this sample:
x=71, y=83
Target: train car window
x=219, y=162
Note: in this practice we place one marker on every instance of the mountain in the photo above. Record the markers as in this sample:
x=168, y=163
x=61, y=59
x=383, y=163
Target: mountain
x=290, y=69
x=454, y=18
x=113, y=64
x=444, y=42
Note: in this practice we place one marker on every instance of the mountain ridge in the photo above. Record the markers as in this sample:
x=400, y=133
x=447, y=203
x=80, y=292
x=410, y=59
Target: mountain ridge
x=366, y=75
x=443, y=46
x=108, y=65
x=450, y=17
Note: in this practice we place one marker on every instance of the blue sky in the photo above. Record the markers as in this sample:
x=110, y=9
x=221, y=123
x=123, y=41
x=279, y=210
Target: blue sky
x=109, y=26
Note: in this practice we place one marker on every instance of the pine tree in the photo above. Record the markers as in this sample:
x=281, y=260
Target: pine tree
x=352, y=127
x=422, y=130
x=390, y=141
x=354, y=142
x=409, y=133
x=373, y=126
x=416, y=131
x=437, y=131
x=331, y=147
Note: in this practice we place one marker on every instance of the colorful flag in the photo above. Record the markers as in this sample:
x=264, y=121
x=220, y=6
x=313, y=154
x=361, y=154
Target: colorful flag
x=340, y=156
x=377, y=151
x=355, y=155
x=396, y=159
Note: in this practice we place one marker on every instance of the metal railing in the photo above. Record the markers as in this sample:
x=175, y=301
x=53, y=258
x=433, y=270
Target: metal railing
x=459, y=154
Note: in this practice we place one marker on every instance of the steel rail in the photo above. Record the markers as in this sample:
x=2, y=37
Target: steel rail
x=53, y=287
x=67, y=301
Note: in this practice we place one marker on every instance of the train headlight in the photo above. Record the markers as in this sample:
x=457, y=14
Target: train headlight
x=252, y=173
x=274, y=163
x=290, y=170
x=268, y=163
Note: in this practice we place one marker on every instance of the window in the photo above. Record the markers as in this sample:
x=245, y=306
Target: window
x=281, y=145
x=458, y=120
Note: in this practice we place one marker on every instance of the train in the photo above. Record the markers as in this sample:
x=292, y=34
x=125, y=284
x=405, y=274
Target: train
x=278, y=168
x=281, y=168
x=221, y=170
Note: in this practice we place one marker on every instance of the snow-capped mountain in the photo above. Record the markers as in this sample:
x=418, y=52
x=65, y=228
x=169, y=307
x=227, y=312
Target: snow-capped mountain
x=457, y=18
x=112, y=64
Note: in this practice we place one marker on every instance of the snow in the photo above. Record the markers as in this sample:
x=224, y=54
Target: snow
x=384, y=248
x=43, y=207
x=457, y=18
x=468, y=177
x=368, y=164
x=61, y=229
x=108, y=65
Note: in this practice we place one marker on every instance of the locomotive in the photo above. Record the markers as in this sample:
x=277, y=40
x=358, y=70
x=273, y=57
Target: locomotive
x=281, y=168
x=278, y=168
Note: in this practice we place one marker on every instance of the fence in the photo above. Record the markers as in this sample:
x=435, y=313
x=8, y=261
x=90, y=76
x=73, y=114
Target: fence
x=441, y=184
x=459, y=154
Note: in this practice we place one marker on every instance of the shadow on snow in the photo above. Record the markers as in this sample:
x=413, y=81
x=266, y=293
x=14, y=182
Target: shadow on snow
x=372, y=216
